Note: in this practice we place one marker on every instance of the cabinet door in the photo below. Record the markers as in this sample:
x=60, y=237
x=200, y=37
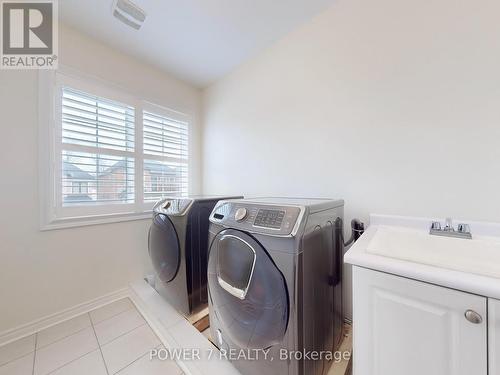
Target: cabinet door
x=403, y=326
x=494, y=336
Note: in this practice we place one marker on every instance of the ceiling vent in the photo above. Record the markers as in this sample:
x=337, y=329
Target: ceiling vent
x=129, y=13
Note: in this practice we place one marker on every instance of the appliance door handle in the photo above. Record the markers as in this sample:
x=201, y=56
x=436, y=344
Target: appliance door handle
x=237, y=292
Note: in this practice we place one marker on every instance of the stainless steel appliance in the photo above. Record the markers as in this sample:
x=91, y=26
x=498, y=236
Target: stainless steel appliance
x=274, y=282
x=178, y=247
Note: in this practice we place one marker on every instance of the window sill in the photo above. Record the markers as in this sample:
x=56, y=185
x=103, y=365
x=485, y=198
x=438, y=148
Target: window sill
x=93, y=220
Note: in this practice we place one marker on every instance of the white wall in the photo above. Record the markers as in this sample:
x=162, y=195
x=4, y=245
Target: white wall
x=45, y=272
x=392, y=105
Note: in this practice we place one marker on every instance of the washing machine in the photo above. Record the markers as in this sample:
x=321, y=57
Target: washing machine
x=178, y=247
x=274, y=283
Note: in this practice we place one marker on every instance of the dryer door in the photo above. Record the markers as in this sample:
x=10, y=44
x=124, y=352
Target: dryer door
x=164, y=248
x=248, y=292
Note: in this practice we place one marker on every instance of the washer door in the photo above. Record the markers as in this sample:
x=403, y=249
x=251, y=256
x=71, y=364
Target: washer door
x=164, y=248
x=247, y=291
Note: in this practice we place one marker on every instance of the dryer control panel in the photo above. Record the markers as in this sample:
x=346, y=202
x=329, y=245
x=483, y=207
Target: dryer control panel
x=172, y=206
x=257, y=218
x=269, y=218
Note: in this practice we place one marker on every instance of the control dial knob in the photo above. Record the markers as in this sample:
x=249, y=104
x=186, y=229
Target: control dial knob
x=240, y=214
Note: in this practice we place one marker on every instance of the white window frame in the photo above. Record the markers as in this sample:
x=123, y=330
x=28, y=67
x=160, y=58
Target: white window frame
x=53, y=215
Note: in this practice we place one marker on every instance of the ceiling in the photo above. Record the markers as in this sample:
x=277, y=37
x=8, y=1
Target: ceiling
x=198, y=41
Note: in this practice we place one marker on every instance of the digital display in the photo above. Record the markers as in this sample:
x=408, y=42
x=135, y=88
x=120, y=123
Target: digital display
x=269, y=218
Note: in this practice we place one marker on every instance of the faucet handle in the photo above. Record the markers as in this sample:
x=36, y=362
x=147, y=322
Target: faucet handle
x=436, y=225
x=463, y=228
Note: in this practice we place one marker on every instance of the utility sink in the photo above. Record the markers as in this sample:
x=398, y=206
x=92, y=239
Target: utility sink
x=479, y=256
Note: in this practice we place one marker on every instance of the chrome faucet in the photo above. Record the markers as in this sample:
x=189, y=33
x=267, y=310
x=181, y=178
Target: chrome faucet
x=448, y=225
x=462, y=231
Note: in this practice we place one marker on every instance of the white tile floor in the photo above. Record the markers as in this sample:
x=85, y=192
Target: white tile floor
x=114, y=339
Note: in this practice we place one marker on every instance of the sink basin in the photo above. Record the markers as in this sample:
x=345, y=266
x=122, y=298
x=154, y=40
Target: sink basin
x=479, y=255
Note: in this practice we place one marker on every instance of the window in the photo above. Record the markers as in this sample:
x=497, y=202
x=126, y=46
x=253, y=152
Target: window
x=165, y=147
x=106, y=128
x=112, y=155
x=78, y=187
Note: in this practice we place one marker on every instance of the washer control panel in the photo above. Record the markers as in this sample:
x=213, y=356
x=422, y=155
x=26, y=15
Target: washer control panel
x=258, y=218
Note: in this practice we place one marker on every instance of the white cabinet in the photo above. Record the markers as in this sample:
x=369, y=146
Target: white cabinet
x=494, y=336
x=403, y=326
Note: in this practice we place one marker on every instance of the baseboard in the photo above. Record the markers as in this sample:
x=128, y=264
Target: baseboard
x=50, y=320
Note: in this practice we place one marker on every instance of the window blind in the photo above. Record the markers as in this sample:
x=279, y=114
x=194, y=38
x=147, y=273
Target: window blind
x=112, y=154
x=165, y=148
x=97, y=150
